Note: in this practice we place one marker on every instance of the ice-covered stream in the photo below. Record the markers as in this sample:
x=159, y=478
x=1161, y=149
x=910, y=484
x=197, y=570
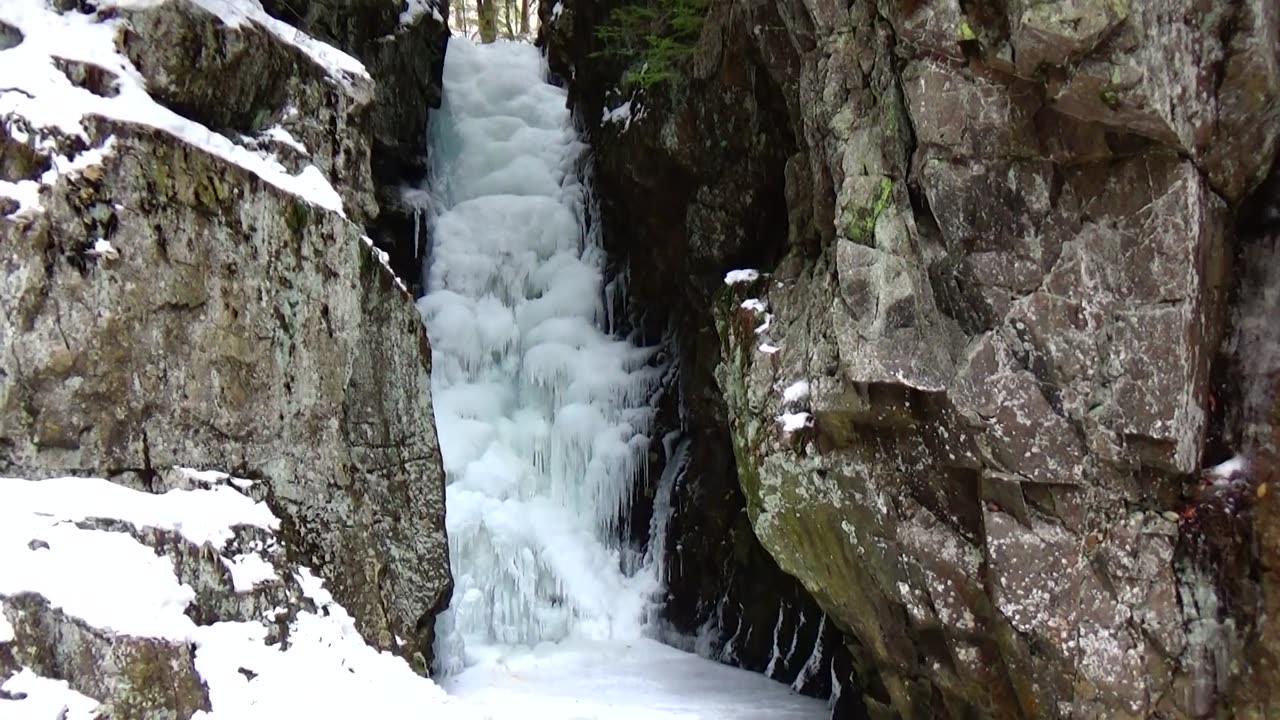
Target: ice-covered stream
x=544, y=421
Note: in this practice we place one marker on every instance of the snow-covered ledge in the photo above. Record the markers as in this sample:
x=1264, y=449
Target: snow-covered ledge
x=191, y=584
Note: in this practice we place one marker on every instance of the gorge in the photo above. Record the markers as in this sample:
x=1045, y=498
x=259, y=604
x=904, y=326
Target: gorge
x=920, y=357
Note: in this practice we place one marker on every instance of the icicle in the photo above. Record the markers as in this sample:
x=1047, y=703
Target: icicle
x=814, y=663
x=777, y=654
x=544, y=417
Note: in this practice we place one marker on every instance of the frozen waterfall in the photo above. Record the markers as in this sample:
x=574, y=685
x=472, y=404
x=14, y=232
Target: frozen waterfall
x=543, y=417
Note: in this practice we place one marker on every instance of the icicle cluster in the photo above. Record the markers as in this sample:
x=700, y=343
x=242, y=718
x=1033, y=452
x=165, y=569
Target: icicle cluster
x=543, y=417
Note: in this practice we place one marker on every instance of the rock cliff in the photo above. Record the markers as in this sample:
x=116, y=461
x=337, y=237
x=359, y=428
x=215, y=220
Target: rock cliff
x=185, y=192
x=970, y=399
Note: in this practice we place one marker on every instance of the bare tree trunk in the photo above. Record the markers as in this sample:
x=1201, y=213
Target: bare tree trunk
x=524, y=17
x=487, y=19
x=507, y=17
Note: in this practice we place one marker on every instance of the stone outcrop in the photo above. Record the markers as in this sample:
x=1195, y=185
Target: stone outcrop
x=185, y=295
x=402, y=44
x=999, y=243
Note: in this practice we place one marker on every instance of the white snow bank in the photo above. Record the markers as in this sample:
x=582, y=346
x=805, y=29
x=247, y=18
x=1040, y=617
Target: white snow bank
x=796, y=391
x=214, y=477
x=114, y=583
x=44, y=699
x=754, y=305
x=248, y=570
x=1236, y=466
x=199, y=515
x=326, y=671
x=733, y=277
x=418, y=8
x=108, y=579
x=792, y=422
x=35, y=89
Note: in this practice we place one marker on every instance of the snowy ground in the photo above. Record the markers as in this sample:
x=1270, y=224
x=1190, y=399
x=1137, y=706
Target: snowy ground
x=48, y=545
x=623, y=681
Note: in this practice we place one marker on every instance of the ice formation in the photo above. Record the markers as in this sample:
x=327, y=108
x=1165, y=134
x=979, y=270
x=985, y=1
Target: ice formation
x=543, y=417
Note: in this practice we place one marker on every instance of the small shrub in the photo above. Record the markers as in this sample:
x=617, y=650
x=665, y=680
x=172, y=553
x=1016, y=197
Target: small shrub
x=654, y=40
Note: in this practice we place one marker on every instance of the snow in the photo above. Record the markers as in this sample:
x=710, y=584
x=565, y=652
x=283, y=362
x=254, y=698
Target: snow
x=234, y=13
x=104, y=248
x=37, y=698
x=792, y=422
x=35, y=89
x=640, y=680
x=248, y=570
x=624, y=114
x=112, y=582
x=6, y=630
x=733, y=277
x=284, y=137
x=415, y=9
x=326, y=670
x=200, y=516
x=214, y=477
x=795, y=392
x=1237, y=465
x=768, y=348
x=754, y=305
x=107, y=578
x=543, y=417
x=384, y=259
x=556, y=10
x=25, y=192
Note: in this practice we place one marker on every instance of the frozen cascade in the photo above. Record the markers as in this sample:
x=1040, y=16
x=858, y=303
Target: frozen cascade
x=543, y=417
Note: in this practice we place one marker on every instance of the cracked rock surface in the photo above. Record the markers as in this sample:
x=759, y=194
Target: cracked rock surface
x=1000, y=242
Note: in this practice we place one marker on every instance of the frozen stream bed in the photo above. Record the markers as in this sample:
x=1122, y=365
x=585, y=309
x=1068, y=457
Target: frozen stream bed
x=621, y=681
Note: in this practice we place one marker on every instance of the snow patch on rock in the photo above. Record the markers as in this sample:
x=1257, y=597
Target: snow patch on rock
x=39, y=92
x=38, y=698
x=733, y=277
x=52, y=543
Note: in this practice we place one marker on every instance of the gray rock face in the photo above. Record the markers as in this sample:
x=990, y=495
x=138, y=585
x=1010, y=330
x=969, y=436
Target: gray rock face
x=1002, y=262
x=404, y=53
x=229, y=324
